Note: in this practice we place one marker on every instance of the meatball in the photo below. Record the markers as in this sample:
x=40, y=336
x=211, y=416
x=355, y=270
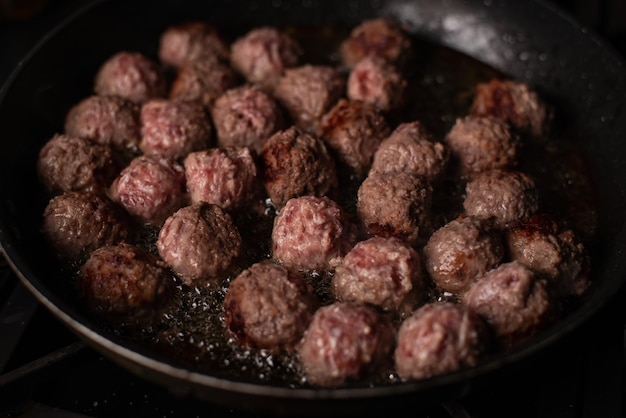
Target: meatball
x=311, y=233
x=395, y=205
x=71, y=163
x=150, y=188
x=505, y=195
x=77, y=223
x=174, y=128
x=263, y=54
x=130, y=75
x=199, y=241
x=227, y=177
x=411, y=148
x=385, y=272
x=552, y=251
x=107, y=120
x=515, y=103
x=378, y=83
x=186, y=42
x=461, y=251
x=345, y=342
x=514, y=302
x=308, y=92
x=378, y=37
x=353, y=130
x=268, y=306
x=246, y=116
x=297, y=164
x=440, y=338
x=482, y=143
x=125, y=284
x=203, y=80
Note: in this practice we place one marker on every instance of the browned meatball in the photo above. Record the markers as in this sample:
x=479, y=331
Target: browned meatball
x=185, y=42
x=126, y=284
x=107, y=120
x=246, y=116
x=378, y=37
x=268, y=306
x=71, y=163
x=482, y=143
x=514, y=302
x=376, y=82
x=505, y=195
x=552, y=251
x=440, y=338
x=174, y=128
x=263, y=54
x=308, y=92
x=354, y=130
x=150, y=188
x=461, y=251
x=345, y=342
x=199, y=241
x=130, y=75
x=395, y=205
x=227, y=177
x=76, y=223
x=311, y=233
x=411, y=148
x=515, y=103
x=297, y=164
x=385, y=272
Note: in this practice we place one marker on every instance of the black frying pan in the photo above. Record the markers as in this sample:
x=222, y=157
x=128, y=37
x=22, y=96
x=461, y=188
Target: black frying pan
x=582, y=77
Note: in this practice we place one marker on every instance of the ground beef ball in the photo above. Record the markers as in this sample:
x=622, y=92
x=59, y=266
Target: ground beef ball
x=311, y=233
x=72, y=163
x=354, y=130
x=460, y=252
x=199, y=241
x=268, y=306
x=131, y=75
x=183, y=43
x=378, y=37
x=482, y=143
x=505, y=195
x=411, y=148
x=308, y=92
x=515, y=103
x=552, y=251
x=440, y=338
x=125, y=283
x=263, y=54
x=246, y=116
x=374, y=81
x=203, y=80
x=386, y=272
x=395, y=205
x=227, y=177
x=150, y=188
x=174, y=128
x=76, y=223
x=297, y=164
x=107, y=120
x=345, y=342
x=514, y=301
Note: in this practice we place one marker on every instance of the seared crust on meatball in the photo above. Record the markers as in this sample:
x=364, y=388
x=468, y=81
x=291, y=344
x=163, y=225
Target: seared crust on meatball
x=376, y=82
x=440, y=338
x=200, y=241
x=268, y=306
x=345, y=342
x=297, y=164
x=186, y=42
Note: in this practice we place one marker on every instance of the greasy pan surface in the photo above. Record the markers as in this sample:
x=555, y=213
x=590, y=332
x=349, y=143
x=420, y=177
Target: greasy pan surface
x=526, y=40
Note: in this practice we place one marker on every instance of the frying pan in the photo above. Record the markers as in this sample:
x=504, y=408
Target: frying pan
x=529, y=41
